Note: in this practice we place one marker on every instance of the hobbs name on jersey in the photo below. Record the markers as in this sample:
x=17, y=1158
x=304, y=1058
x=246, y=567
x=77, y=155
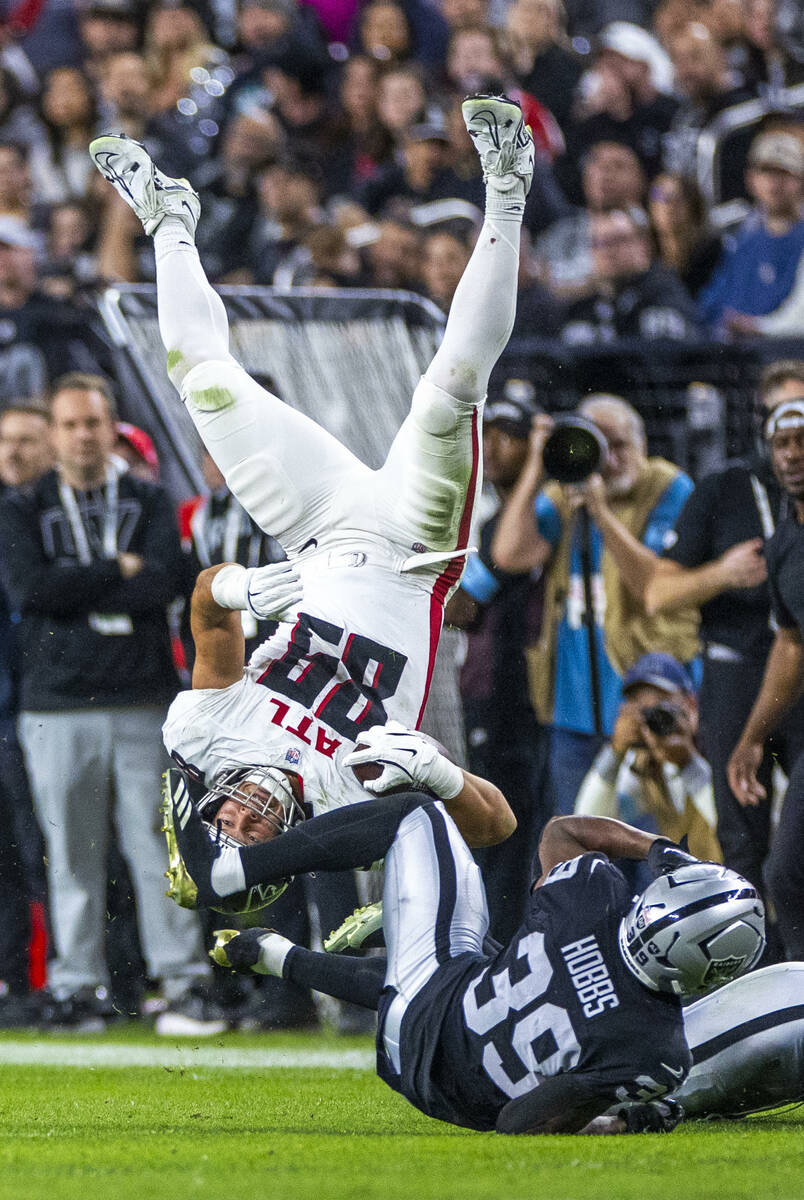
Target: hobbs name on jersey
x=590, y=976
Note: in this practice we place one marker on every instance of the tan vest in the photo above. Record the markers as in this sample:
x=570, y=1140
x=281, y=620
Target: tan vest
x=628, y=631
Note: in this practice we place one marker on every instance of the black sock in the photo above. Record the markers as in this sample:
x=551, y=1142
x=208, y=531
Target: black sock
x=358, y=980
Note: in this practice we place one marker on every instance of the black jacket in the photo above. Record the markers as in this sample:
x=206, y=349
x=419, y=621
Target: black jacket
x=65, y=660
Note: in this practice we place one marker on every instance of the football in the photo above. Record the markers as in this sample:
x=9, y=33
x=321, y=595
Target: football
x=368, y=771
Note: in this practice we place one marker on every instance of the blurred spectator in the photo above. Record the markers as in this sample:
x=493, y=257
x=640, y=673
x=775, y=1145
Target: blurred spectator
x=541, y=54
x=15, y=184
x=25, y=455
x=445, y=257
x=288, y=195
x=107, y=27
x=25, y=449
x=635, y=500
x=137, y=450
x=782, y=681
x=91, y=559
x=612, y=178
x=501, y=614
x=538, y=313
x=176, y=41
x=60, y=166
x=715, y=560
x=626, y=95
x=393, y=257
x=421, y=175
x=401, y=100
x=651, y=773
x=707, y=88
x=368, y=140
x=758, y=285
x=39, y=336
x=383, y=31
x=18, y=122
x=70, y=234
x=635, y=295
x=768, y=64
x=680, y=223
x=475, y=60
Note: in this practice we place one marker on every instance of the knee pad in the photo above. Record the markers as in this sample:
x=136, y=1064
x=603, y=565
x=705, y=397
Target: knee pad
x=211, y=386
x=435, y=411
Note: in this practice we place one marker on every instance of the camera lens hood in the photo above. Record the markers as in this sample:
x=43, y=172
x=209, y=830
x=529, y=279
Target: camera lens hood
x=574, y=450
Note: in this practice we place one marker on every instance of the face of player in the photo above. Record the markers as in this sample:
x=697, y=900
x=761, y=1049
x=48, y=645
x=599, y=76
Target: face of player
x=245, y=824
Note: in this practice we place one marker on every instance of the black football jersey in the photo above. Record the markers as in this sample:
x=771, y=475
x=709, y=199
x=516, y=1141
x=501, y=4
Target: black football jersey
x=558, y=998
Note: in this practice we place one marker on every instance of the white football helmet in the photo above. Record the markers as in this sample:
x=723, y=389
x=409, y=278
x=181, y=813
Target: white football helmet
x=274, y=800
x=693, y=929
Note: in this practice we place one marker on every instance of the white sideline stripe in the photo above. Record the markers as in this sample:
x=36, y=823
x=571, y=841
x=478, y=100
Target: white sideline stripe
x=80, y=1054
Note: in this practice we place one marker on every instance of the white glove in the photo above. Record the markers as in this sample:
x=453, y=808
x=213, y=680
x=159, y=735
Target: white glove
x=408, y=760
x=266, y=592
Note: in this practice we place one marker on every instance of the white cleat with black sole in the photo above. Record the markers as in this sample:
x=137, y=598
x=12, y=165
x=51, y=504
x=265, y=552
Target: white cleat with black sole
x=148, y=191
x=503, y=141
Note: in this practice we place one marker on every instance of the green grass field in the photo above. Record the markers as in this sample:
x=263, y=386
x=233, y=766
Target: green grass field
x=189, y=1127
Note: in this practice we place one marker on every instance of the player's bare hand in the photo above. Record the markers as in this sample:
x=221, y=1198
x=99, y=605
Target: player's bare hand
x=744, y=565
x=130, y=564
x=742, y=772
x=273, y=590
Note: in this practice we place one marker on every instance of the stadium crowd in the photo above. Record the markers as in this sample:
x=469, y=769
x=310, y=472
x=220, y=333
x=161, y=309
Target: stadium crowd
x=325, y=140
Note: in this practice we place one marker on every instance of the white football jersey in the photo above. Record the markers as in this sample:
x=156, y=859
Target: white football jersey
x=359, y=651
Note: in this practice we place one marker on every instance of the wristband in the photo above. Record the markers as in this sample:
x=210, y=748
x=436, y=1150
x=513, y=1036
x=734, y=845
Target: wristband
x=230, y=587
x=444, y=778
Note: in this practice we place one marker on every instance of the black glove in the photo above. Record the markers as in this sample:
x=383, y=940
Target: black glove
x=665, y=856
x=659, y=1116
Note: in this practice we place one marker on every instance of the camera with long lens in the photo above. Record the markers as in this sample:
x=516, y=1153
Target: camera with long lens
x=661, y=719
x=574, y=450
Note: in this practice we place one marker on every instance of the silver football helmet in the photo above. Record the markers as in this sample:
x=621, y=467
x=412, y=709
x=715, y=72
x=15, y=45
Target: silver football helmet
x=693, y=929
x=267, y=792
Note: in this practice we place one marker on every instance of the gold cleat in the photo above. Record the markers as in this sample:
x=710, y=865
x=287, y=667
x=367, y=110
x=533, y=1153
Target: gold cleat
x=181, y=889
x=352, y=933
x=218, y=952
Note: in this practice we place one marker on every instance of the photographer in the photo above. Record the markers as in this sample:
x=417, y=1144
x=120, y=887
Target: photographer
x=650, y=773
x=632, y=502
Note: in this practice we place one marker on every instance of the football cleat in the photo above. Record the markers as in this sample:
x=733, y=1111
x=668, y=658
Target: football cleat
x=353, y=932
x=152, y=195
x=502, y=140
x=244, y=951
x=182, y=889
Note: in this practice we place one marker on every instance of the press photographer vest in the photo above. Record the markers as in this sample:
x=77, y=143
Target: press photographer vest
x=628, y=631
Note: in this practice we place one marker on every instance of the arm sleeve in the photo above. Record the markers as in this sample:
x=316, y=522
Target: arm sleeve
x=662, y=519
x=561, y=1104
x=35, y=585
x=691, y=545
x=478, y=581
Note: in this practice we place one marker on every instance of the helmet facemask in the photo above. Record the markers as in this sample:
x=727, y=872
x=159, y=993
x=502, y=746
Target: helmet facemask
x=267, y=793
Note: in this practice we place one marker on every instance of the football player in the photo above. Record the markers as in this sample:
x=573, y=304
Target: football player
x=581, y=1011
x=372, y=555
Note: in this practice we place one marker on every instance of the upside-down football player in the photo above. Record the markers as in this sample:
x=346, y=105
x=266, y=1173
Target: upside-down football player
x=372, y=555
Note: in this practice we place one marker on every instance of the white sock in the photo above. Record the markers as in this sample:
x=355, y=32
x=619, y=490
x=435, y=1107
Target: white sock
x=505, y=199
x=273, y=951
x=171, y=234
